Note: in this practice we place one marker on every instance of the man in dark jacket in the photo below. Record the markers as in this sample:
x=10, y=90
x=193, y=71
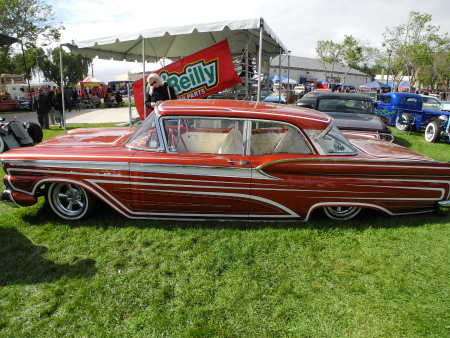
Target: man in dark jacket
x=42, y=107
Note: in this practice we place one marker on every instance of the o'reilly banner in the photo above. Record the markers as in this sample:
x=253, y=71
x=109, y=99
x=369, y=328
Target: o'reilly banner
x=200, y=74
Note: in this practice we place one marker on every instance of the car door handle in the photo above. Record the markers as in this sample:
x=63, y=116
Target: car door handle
x=241, y=162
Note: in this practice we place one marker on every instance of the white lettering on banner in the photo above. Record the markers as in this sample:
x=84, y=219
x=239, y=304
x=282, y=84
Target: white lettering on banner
x=194, y=94
x=194, y=76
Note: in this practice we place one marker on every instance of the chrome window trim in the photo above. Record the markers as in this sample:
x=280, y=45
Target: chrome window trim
x=177, y=117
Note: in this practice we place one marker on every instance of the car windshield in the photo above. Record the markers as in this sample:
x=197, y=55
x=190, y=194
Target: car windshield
x=334, y=142
x=146, y=136
x=345, y=106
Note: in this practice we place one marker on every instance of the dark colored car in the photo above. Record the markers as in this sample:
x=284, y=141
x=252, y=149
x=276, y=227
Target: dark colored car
x=24, y=105
x=308, y=100
x=354, y=114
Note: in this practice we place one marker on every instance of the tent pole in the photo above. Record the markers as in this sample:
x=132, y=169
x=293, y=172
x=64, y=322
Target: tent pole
x=260, y=58
x=63, y=117
x=288, y=92
x=26, y=72
x=143, y=75
x=129, y=98
x=279, y=78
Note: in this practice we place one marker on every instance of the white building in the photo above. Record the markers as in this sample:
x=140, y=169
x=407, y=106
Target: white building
x=309, y=70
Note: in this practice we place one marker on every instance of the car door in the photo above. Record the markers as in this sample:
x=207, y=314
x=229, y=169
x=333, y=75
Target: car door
x=279, y=188
x=202, y=172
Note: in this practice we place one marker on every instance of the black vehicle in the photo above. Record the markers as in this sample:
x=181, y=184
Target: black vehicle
x=15, y=134
x=24, y=105
x=309, y=99
x=354, y=114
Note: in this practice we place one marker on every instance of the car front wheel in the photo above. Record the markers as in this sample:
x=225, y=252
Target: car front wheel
x=70, y=201
x=341, y=213
x=432, y=132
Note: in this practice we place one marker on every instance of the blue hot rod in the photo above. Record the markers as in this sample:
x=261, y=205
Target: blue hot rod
x=405, y=111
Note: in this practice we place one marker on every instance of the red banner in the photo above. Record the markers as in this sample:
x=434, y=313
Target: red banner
x=200, y=74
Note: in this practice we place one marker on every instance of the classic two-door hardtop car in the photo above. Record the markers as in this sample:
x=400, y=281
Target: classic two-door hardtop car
x=219, y=159
x=354, y=114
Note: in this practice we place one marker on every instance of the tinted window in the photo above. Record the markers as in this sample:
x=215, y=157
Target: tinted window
x=411, y=99
x=386, y=99
x=345, y=106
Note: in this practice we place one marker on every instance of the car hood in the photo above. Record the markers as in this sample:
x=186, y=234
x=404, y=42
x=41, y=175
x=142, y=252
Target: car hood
x=351, y=121
x=90, y=137
x=377, y=149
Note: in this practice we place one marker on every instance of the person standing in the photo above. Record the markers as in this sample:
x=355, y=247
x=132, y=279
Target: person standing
x=51, y=112
x=75, y=99
x=57, y=102
x=158, y=91
x=42, y=107
x=68, y=98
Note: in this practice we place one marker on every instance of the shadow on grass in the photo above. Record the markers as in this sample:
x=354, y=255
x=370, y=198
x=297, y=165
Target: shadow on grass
x=22, y=262
x=105, y=217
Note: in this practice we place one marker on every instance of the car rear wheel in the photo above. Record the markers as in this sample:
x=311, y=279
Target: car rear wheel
x=341, y=213
x=432, y=132
x=70, y=201
x=35, y=132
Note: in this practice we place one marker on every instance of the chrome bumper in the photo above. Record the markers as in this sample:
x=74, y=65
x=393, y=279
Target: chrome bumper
x=8, y=199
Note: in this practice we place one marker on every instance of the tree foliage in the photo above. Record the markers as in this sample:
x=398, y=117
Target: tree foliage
x=415, y=44
x=75, y=67
x=329, y=52
x=30, y=21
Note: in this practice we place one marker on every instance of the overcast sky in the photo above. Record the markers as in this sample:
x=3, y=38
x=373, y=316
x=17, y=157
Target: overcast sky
x=298, y=23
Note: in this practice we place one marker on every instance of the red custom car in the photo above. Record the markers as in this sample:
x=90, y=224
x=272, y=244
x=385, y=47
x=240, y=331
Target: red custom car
x=218, y=159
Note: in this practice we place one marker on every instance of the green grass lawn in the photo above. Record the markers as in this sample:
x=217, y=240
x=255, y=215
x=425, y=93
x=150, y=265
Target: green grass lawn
x=376, y=276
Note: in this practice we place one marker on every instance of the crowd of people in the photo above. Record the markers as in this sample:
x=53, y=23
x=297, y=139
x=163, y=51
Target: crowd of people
x=50, y=102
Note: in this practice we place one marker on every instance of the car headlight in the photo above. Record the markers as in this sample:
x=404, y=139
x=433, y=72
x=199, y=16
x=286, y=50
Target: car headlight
x=443, y=119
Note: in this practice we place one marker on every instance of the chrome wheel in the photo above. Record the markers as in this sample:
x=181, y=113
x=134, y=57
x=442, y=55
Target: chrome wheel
x=402, y=124
x=432, y=132
x=341, y=213
x=70, y=201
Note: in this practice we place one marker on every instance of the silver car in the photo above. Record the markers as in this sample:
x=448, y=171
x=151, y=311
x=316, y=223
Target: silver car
x=430, y=103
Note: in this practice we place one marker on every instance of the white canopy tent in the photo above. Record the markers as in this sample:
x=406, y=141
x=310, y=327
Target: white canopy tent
x=177, y=42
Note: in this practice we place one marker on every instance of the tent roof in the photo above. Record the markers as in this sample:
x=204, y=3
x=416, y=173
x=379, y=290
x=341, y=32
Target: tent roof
x=176, y=42
x=90, y=79
x=375, y=84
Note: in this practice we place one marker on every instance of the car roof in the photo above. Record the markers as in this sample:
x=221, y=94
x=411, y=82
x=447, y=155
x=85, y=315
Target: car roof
x=345, y=96
x=306, y=118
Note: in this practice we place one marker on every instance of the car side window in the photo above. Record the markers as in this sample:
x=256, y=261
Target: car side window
x=204, y=136
x=386, y=99
x=276, y=138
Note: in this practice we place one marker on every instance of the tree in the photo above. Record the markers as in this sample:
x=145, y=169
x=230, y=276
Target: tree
x=415, y=44
x=329, y=53
x=75, y=67
x=352, y=55
x=28, y=21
